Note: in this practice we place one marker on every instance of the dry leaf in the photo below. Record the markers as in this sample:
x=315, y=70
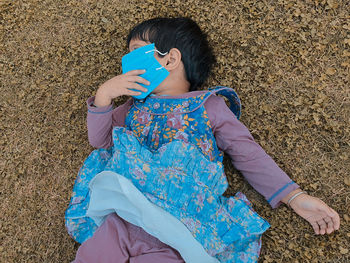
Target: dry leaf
x=343, y=250
x=330, y=71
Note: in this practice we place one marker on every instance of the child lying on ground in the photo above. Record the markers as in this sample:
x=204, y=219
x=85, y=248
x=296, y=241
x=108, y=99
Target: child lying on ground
x=152, y=191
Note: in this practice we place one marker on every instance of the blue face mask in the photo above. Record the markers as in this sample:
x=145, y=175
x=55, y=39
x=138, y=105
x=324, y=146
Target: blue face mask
x=143, y=58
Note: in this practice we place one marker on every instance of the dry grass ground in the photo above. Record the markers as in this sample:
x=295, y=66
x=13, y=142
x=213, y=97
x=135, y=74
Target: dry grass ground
x=289, y=60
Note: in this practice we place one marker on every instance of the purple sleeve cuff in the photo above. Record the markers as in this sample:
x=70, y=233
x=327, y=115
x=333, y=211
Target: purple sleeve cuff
x=99, y=124
x=98, y=110
x=275, y=199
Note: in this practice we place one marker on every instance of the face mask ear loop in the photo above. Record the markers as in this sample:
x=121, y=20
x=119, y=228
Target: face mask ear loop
x=163, y=54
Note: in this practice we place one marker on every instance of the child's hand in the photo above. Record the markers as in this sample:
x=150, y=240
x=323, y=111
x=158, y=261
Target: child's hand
x=120, y=85
x=322, y=218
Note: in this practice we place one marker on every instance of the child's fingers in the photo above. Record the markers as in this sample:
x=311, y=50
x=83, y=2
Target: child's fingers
x=330, y=226
x=132, y=85
x=335, y=219
x=323, y=226
x=135, y=72
x=138, y=79
x=132, y=92
x=316, y=227
x=332, y=214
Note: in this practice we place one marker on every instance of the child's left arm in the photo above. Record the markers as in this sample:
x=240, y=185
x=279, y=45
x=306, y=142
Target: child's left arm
x=262, y=172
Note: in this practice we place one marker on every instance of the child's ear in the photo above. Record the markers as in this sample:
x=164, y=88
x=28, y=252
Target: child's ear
x=173, y=59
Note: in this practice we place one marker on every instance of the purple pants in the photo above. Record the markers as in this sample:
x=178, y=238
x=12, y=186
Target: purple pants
x=118, y=241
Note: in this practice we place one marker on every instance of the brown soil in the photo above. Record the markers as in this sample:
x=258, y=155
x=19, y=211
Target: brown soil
x=289, y=60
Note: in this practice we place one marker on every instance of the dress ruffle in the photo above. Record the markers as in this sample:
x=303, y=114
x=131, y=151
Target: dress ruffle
x=78, y=225
x=179, y=179
x=113, y=193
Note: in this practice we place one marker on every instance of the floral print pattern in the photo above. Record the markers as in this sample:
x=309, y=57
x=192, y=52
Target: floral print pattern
x=175, y=119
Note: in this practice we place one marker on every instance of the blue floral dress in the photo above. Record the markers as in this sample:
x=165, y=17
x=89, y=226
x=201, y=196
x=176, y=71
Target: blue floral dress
x=168, y=151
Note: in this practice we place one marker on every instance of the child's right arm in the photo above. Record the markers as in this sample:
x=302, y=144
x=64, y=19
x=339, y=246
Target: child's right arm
x=101, y=120
x=101, y=116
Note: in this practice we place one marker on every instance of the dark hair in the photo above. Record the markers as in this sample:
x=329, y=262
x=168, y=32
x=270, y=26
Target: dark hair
x=185, y=35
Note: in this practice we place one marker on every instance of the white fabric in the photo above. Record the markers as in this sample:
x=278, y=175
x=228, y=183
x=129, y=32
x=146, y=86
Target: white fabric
x=112, y=192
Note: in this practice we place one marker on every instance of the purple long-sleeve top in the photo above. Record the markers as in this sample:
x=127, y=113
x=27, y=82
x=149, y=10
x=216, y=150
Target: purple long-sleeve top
x=232, y=137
